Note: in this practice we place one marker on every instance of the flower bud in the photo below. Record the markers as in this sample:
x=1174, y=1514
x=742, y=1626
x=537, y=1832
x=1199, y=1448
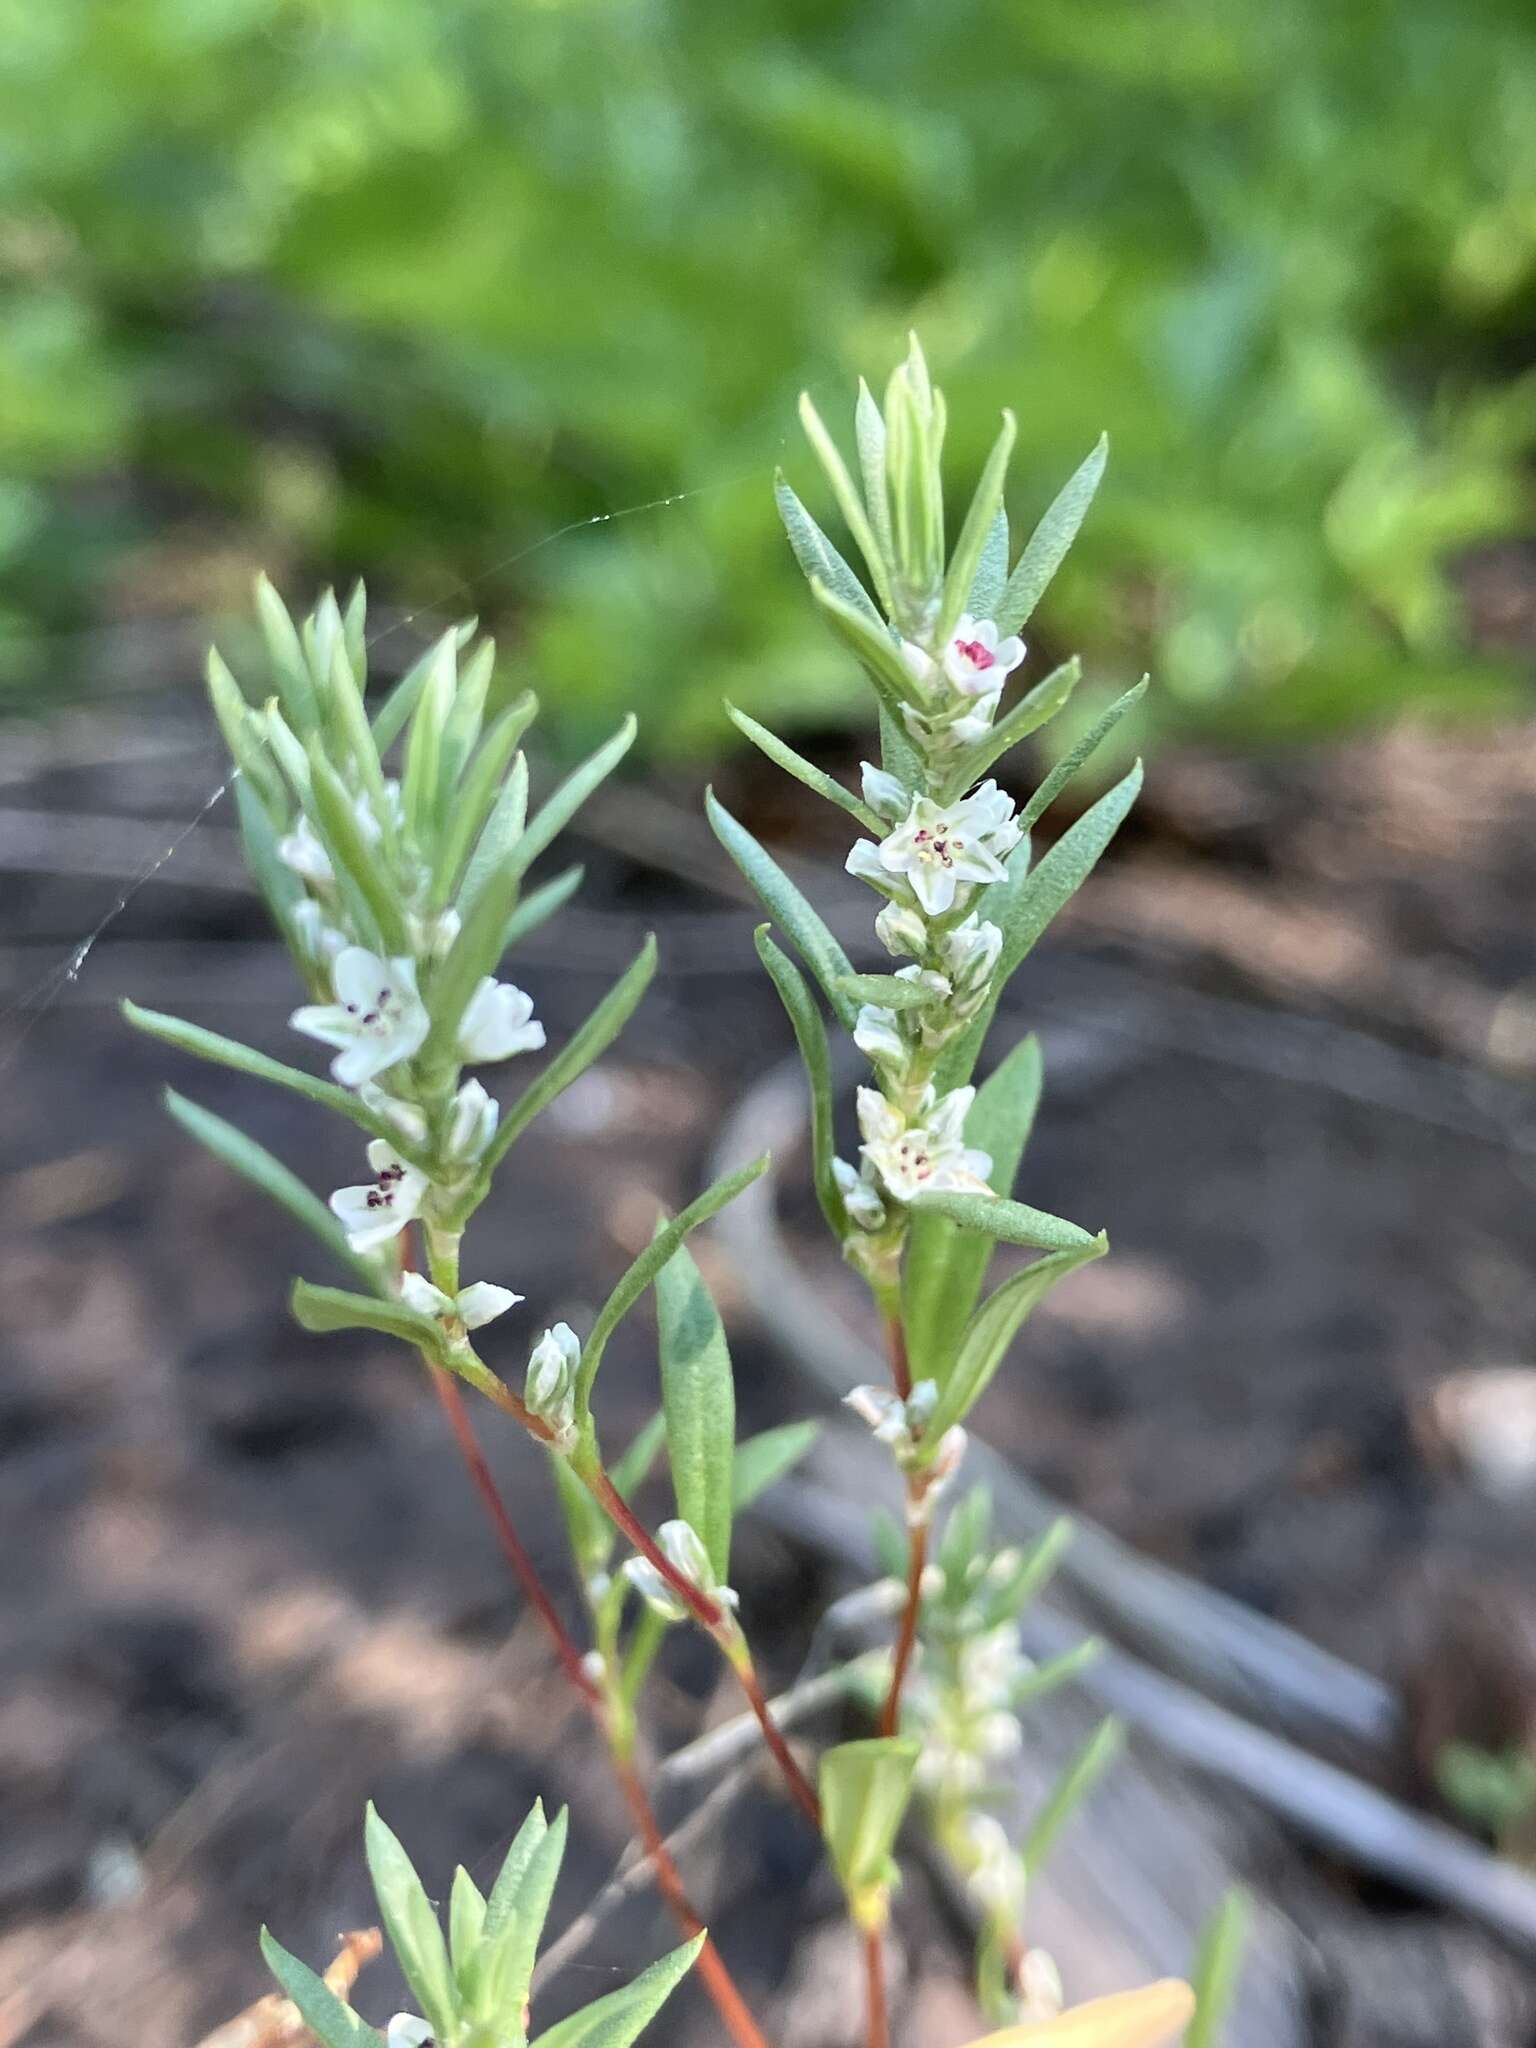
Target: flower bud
x=878, y=1036
x=861, y=1198
x=883, y=793
x=901, y=930
x=882, y=1410
x=971, y=953
x=471, y=1124
x=550, y=1388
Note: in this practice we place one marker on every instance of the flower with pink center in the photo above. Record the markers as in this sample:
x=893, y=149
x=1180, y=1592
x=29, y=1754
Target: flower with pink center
x=939, y=847
x=976, y=661
x=926, y=1156
x=380, y=1209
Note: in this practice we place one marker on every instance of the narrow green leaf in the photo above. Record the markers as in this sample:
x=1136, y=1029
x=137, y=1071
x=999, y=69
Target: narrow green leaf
x=514, y=1924
x=641, y=1652
x=514, y=1868
x=1034, y=709
x=285, y=653
x=350, y=717
x=1046, y=548
x=337, y=2025
x=280, y=887
x=1071, y=761
x=644, y=1269
x=785, y=904
x=587, y=1528
x=324, y=1309
x=804, y=771
x=403, y=698
x=587, y=1044
x=698, y=1399
x=498, y=836
x=877, y=651
x=466, y=718
x=565, y=801
x=466, y=1920
x=1007, y=1222
x=811, y=1037
x=865, y=1787
x=992, y=1329
x=475, y=953
x=945, y=1266
x=540, y=905
x=980, y=520
x=818, y=559
x=421, y=784
x=1036, y=1567
x=362, y=877
x=991, y=571
x=411, y=1925
x=256, y=1164
x=849, y=503
x=622, y=2016
x=1026, y=910
x=763, y=1460
x=1218, y=1967
x=898, y=755
x=1102, y=1748
x=869, y=432
x=887, y=991
x=472, y=805
x=229, y=1052
x=354, y=626
x=1056, y=1671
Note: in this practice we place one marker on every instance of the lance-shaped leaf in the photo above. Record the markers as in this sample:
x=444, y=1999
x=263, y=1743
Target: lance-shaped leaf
x=1034, y=709
x=337, y=2025
x=421, y=784
x=980, y=521
x=698, y=1398
x=1024, y=911
x=945, y=1265
x=1046, y=547
x=811, y=1038
x=991, y=576
x=244, y=1059
x=540, y=905
x=280, y=887
x=285, y=654
x=819, y=560
x=1070, y=1790
x=568, y=797
x=865, y=1788
x=889, y=991
x=815, y=778
x=1045, y=1678
x=644, y=1270
x=466, y=717
x=1034, y=1570
x=514, y=1919
x=228, y=1143
x=585, y=1045
x=1006, y=1222
x=361, y=876
x=324, y=1309
x=475, y=953
x=869, y=432
x=411, y=1925
x=1074, y=758
x=622, y=2016
x=878, y=653
x=472, y=806
x=403, y=698
x=466, y=1923
x=503, y=828
x=786, y=906
x=764, y=1459
x=849, y=502
x=992, y=1329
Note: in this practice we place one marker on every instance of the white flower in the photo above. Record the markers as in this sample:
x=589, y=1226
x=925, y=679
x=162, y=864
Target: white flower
x=475, y=1306
x=498, y=1022
x=861, y=1198
x=976, y=661
x=977, y=722
x=302, y=851
x=877, y=1036
x=684, y=1550
x=471, y=1123
x=550, y=1389
x=971, y=951
x=930, y=1156
x=900, y=930
x=884, y=1411
x=373, y=1214
x=883, y=793
x=377, y=1018
x=939, y=847
x=406, y=2031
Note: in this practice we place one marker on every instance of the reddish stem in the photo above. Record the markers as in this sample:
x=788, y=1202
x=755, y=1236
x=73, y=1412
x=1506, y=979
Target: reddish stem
x=511, y=1544
x=906, y=1641
x=896, y=1349
x=798, y=1783
x=879, y=2033
x=717, y=1978
x=709, y=1612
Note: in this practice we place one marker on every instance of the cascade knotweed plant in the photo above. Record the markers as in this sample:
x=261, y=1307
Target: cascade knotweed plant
x=393, y=847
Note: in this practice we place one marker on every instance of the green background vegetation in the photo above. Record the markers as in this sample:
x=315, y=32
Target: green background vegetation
x=404, y=286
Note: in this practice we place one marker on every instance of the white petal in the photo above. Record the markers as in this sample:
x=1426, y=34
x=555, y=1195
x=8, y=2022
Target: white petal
x=326, y=1021
x=879, y=1121
x=482, y=1301
x=405, y=2030
x=882, y=792
x=417, y=1292
x=934, y=887
x=359, y=977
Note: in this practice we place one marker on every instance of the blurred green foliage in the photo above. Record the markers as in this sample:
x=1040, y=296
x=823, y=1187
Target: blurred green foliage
x=404, y=286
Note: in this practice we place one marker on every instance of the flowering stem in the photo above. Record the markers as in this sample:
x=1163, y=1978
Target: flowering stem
x=896, y=1350
x=906, y=1640
x=878, y=2032
x=717, y=1979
